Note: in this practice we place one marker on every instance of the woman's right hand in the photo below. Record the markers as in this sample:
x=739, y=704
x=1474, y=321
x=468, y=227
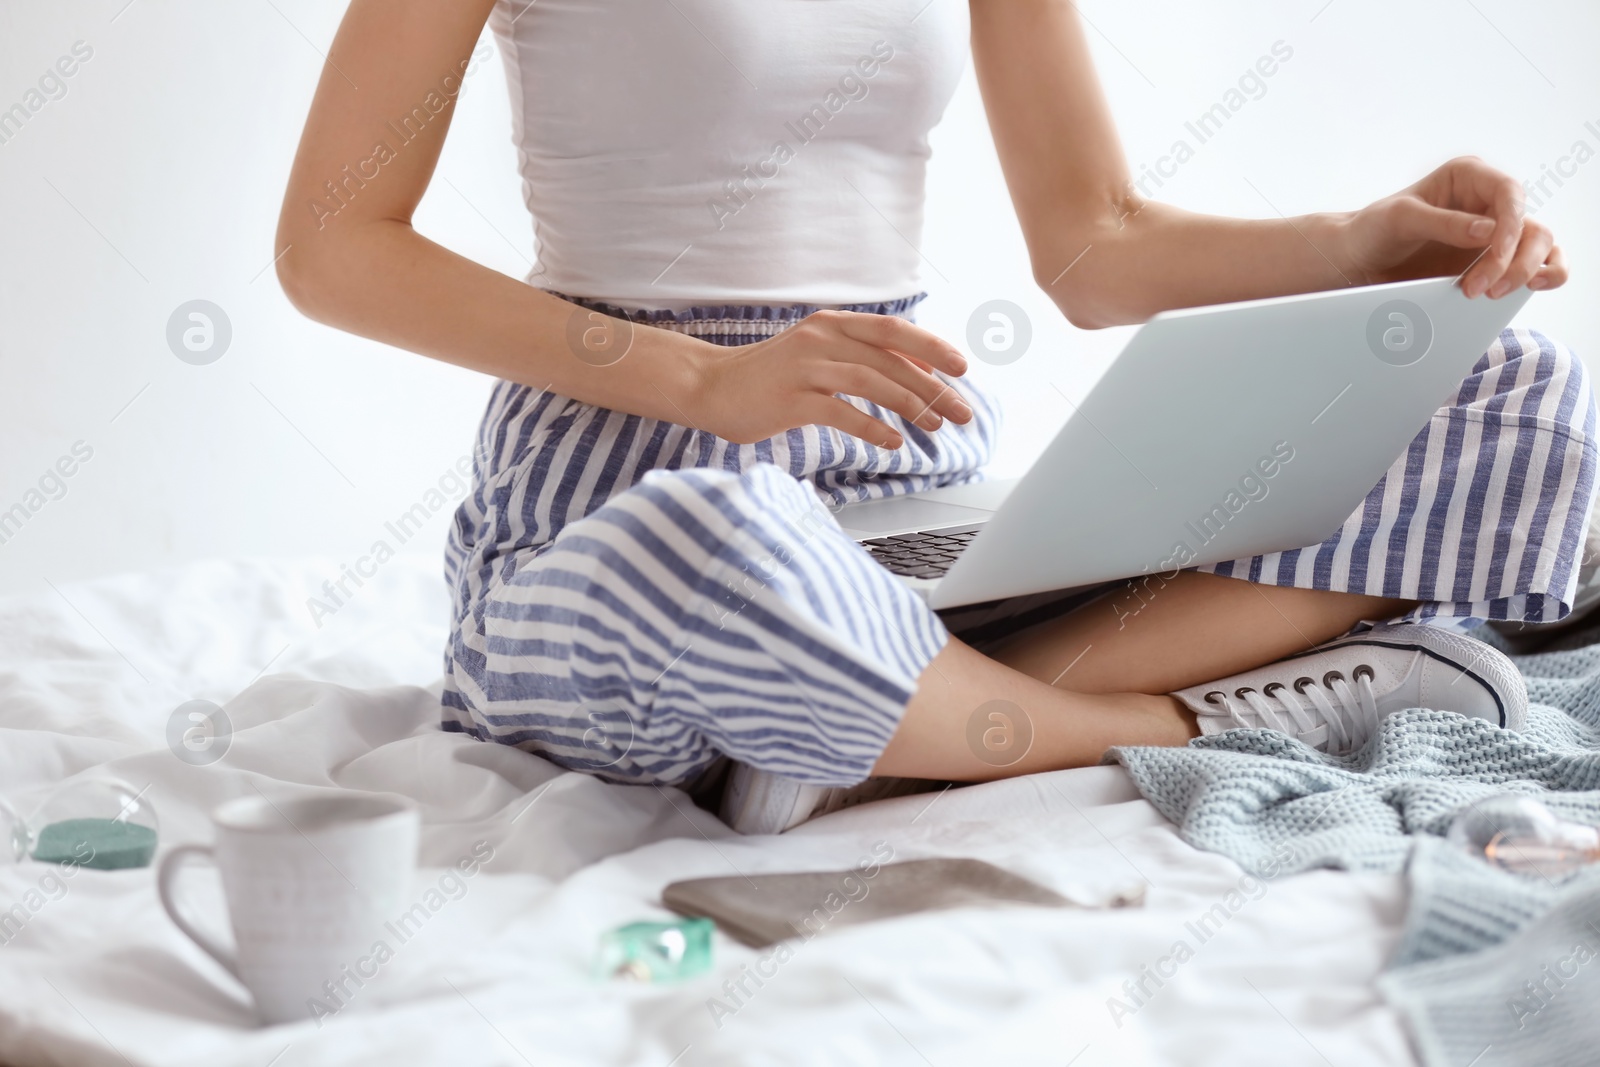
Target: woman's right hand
x=752, y=392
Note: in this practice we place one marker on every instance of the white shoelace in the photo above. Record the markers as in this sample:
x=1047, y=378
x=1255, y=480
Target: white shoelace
x=1349, y=711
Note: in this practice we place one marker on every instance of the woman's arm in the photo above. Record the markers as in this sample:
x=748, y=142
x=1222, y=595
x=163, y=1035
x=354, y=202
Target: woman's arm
x=350, y=258
x=1108, y=256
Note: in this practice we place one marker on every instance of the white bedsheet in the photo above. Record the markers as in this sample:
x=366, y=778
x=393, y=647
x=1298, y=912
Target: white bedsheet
x=89, y=675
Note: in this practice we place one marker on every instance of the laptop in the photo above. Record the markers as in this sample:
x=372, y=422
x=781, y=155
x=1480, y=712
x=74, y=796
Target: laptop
x=1217, y=433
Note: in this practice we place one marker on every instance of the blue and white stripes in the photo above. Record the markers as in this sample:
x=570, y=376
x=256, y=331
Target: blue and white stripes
x=1484, y=515
x=699, y=598
x=703, y=612
x=636, y=599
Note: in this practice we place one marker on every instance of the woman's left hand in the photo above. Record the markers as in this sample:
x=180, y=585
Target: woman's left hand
x=1465, y=216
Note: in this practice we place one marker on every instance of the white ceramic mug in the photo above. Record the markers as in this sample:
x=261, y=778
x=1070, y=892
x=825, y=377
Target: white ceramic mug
x=309, y=883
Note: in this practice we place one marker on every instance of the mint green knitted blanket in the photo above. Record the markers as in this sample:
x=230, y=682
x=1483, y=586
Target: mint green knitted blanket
x=1471, y=973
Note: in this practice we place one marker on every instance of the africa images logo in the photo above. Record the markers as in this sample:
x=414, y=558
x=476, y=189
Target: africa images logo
x=1399, y=332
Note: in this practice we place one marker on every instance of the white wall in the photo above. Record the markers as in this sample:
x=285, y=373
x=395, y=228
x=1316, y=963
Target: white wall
x=155, y=180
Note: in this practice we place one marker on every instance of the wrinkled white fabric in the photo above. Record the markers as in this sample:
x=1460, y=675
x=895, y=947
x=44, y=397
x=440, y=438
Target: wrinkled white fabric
x=501, y=974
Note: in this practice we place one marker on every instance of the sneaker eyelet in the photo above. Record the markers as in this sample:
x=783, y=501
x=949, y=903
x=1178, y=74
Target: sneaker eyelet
x=1363, y=670
x=1302, y=684
x=1327, y=679
x=1272, y=687
x=1242, y=691
x=1215, y=693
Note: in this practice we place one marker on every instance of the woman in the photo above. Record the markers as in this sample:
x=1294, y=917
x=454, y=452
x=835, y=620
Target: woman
x=717, y=342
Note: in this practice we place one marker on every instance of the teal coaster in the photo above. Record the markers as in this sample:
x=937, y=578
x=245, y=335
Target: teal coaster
x=655, y=951
x=101, y=844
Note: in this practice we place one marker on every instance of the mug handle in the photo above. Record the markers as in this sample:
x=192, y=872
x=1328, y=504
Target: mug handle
x=165, y=877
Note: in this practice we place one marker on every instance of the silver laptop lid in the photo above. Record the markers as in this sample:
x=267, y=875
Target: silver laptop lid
x=1227, y=431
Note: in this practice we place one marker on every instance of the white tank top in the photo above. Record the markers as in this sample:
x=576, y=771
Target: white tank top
x=680, y=152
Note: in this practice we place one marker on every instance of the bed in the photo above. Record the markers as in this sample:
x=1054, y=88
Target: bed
x=1277, y=972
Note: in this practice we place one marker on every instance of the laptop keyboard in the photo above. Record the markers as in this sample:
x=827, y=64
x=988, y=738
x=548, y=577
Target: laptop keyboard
x=921, y=555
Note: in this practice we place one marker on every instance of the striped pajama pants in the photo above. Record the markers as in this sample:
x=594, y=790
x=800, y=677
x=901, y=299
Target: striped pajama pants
x=637, y=599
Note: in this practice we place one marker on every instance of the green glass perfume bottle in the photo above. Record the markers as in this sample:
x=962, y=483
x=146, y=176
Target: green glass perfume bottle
x=655, y=951
x=97, y=822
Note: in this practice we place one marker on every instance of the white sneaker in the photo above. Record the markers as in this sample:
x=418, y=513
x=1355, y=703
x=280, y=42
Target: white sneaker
x=760, y=802
x=1334, y=696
